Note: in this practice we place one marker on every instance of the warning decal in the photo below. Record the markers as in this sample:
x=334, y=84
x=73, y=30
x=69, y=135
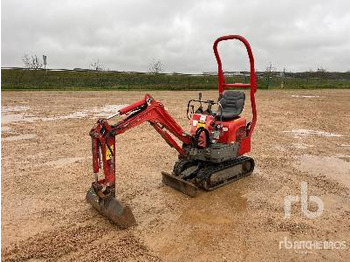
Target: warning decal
x=109, y=154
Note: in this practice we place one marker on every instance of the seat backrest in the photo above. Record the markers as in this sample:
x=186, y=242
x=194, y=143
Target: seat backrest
x=232, y=103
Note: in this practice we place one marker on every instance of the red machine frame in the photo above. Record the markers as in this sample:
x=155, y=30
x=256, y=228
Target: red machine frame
x=103, y=134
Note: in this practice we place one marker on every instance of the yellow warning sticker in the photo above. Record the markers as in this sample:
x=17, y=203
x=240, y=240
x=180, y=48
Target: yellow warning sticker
x=200, y=125
x=109, y=153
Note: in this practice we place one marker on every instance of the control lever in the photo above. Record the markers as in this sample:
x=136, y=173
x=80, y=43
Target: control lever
x=200, y=100
x=210, y=104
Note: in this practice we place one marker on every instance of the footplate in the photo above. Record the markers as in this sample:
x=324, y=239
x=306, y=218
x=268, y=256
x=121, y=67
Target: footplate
x=179, y=184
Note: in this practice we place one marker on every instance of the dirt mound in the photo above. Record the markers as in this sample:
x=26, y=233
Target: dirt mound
x=66, y=243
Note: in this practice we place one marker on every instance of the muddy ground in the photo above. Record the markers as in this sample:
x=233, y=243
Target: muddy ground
x=301, y=136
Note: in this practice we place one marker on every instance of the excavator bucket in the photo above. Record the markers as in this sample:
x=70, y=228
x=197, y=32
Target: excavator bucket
x=111, y=208
x=179, y=184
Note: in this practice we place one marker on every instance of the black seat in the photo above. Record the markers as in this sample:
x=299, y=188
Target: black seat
x=232, y=103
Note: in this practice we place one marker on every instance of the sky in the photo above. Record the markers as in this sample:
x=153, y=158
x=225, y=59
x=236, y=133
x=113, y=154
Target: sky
x=297, y=35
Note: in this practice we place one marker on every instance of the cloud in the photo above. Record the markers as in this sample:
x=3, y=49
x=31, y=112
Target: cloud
x=126, y=35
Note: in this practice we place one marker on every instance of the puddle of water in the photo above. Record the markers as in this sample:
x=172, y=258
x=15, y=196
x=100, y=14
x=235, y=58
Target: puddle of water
x=64, y=161
x=304, y=96
x=95, y=112
x=19, y=137
x=106, y=110
x=7, y=129
x=332, y=167
x=298, y=133
x=8, y=117
x=342, y=156
x=13, y=118
x=75, y=115
x=110, y=108
x=7, y=109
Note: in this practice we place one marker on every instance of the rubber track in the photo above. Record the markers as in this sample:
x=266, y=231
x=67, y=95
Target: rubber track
x=202, y=178
x=204, y=174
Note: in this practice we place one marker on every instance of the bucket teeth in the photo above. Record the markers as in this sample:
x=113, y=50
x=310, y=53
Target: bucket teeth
x=179, y=184
x=112, y=209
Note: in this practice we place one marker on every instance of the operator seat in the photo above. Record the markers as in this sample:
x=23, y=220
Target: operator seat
x=232, y=103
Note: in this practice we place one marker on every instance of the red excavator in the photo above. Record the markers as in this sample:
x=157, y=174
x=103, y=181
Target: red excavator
x=212, y=153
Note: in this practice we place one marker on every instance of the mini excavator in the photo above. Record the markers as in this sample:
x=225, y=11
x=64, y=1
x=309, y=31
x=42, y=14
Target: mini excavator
x=212, y=153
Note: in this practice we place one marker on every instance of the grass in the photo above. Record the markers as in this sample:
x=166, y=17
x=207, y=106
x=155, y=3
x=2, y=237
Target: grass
x=92, y=80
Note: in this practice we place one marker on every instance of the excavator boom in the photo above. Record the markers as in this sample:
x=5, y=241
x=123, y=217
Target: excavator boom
x=102, y=192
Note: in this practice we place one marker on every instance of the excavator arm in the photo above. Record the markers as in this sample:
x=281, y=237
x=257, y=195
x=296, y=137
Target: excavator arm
x=101, y=195
x=103, y=136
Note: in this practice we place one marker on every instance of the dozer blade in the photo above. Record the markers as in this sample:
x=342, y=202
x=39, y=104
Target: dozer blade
x=179, y=184
x=112, y=209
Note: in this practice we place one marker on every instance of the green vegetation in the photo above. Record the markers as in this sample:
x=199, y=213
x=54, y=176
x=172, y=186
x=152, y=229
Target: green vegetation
x=20, y=79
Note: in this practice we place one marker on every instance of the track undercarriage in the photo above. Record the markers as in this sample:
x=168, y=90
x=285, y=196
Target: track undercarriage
x=188, y=176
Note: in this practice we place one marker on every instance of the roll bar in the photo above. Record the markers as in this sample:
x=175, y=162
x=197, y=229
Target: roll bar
x=222, y=85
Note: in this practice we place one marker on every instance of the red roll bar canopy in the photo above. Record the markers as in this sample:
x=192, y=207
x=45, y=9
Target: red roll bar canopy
x=222, y=85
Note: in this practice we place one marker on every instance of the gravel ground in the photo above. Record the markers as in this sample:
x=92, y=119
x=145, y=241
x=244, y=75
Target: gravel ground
x=301, y=136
